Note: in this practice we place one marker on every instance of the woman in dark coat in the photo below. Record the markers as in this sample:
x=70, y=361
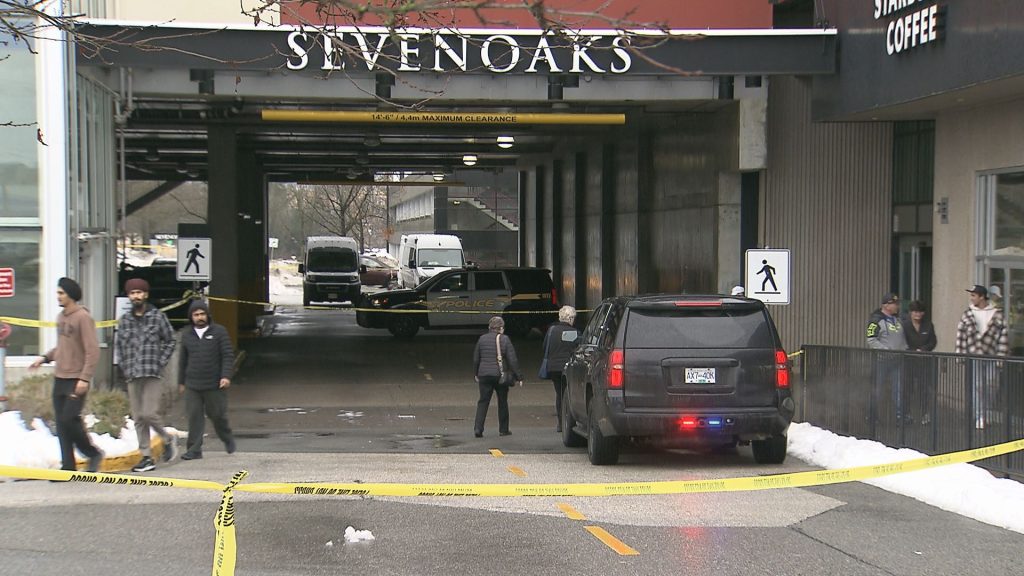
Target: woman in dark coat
x=559, y=342
x=487, y=373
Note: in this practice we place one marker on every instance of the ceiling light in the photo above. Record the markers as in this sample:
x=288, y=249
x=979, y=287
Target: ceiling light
x=372, y=140
x=506, y=141
x=438, y=177
x=152, y=155
x=469, y=159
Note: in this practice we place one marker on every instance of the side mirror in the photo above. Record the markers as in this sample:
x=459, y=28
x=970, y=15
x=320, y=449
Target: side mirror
x=302, y=269
x=362, y=268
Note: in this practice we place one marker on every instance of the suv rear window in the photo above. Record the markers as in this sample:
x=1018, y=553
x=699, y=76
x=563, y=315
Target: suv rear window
x=719, y=327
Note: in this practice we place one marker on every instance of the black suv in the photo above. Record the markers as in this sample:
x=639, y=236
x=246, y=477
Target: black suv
x=678, y=371
x=465, y=298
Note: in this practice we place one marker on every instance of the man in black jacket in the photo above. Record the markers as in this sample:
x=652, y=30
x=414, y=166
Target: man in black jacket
x=204, y=367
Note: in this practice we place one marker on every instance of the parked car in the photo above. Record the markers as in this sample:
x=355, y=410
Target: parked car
x=678, y=371
x=375, y=271
x=465, y=298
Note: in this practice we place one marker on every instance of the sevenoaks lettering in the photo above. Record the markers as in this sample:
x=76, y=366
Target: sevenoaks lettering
x=352, y=49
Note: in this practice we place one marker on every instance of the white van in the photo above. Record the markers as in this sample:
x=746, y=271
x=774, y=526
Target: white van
x=420, y=256
x=331, y=269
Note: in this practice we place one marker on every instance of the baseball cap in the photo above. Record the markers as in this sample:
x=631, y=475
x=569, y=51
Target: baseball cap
x=890, y=297
x=979, y=290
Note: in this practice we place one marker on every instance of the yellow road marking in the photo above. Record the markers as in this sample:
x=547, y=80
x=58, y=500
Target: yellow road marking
x=611, y=541
x=517, y=471
x=571, y=512
x=496, y=453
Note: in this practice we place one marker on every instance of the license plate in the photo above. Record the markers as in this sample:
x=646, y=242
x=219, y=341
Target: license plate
x=700, y=376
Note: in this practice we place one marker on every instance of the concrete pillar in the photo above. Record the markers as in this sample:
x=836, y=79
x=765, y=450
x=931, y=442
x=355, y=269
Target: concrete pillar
x=223, y=207
x=728, y=230
x=252, y=245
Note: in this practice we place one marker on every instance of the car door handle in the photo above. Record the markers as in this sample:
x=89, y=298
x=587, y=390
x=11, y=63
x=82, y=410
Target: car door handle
x=453, y=297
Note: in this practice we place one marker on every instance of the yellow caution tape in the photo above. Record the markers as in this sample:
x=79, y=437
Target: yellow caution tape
x=99, y=324
x=224, y=523
x=769, y=482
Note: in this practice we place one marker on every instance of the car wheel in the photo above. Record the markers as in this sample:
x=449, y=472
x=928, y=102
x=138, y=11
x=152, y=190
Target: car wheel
x=771, y=450
x=305, y=298
x=601, y=450
x=517, y=325
x=403, y=326
x=570, y=438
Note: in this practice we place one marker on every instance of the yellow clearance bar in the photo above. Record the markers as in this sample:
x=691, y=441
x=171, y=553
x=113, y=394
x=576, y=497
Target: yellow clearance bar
x=442, y=117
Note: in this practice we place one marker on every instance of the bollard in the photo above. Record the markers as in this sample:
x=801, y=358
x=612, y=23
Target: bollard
x=5, y=331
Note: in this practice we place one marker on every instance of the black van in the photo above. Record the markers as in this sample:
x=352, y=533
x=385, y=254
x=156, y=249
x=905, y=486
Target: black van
x=465, y=298
x=678, y=371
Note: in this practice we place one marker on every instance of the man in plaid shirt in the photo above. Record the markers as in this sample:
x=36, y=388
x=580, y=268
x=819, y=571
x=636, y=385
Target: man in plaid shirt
x=144, y=344
x=982, y=331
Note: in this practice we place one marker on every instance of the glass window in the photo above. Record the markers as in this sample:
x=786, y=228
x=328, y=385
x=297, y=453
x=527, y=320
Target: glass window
x=453, y=283
x=1001, y=246
x=489, y=281
x=19, y=250
x=19, y=164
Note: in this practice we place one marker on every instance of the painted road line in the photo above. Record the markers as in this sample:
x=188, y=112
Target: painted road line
x=571, y=512
x=496, y=453
x=611, y=541
x=517, y=471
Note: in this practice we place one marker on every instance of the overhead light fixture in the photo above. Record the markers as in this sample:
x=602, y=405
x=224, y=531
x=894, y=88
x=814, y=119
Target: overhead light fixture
x=352, y=173
x=506, y=141
x=438, y=177
x=371, y=140
x=469, y=159
x=152, y=155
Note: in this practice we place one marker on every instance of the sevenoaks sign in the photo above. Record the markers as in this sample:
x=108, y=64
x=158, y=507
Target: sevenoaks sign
x=450, y=51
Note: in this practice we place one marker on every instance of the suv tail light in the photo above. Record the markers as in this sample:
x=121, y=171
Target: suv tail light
x=781, y=369
x=615, y=368
x=554, y=297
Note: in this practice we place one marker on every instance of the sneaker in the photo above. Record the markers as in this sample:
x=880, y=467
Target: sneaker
x=230, y=447
x=95, y=462
x=170, y=449
x=144, y=465
x=191, y=455
x=505, y=433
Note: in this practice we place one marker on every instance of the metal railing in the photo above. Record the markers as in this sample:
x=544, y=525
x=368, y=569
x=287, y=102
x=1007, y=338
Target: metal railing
x=501, y=204
x=930, y=402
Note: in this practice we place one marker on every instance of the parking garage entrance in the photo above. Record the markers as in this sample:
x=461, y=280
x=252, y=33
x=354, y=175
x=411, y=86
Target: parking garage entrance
x=621, y=161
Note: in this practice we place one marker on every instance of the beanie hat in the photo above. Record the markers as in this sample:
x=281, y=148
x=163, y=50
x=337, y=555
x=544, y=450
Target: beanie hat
x=136, y=284
x=198, y=304
x=71, y=288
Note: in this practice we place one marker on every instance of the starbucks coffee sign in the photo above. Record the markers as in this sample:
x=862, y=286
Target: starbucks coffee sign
x=911, y=23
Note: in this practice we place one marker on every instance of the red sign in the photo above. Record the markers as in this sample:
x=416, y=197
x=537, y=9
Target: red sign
x=6, y=282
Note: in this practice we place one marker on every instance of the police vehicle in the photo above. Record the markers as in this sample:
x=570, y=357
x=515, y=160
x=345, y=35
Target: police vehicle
x=465, y=298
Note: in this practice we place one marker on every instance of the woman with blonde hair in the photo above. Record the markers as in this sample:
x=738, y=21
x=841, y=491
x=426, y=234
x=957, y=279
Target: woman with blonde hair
x=559, y=342
x=496, y=369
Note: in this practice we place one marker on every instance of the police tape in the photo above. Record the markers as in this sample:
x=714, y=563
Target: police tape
x=27, y=323
x=737, y=484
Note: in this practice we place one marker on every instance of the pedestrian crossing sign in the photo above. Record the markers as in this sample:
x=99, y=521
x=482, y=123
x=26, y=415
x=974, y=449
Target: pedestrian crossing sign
x=767, y=276
x=195, y=259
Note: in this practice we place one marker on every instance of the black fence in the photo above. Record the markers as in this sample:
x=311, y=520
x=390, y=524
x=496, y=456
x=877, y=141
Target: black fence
x=932, y=403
